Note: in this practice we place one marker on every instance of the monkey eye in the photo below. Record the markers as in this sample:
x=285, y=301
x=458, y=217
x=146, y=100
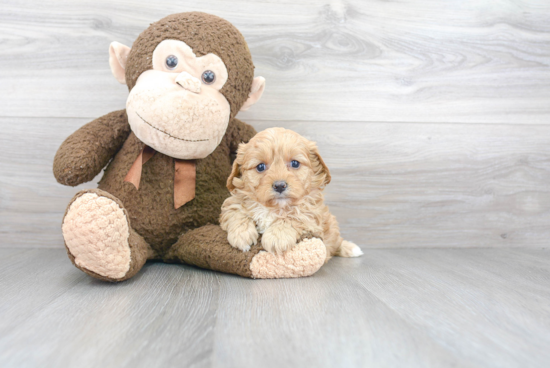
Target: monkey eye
x=171, y=62
x=208, y=77
x=295, y=164
x=260, y=167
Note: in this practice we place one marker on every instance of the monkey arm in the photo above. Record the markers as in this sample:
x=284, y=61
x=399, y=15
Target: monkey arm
x=239, y=132
x=85, y=152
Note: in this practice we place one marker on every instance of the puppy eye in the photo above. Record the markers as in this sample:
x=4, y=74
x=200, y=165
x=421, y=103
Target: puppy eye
x=295, y=164
x=208, y=77
x=171, y=62
x=260, y=167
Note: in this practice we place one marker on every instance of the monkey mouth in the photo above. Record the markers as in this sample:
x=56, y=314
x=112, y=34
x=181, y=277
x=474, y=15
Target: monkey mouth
x=168, y=134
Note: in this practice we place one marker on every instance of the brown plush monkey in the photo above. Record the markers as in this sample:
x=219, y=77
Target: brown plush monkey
x=168, y=156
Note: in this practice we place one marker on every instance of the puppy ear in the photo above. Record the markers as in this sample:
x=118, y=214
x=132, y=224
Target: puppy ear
x=234, y=180
x=234, y=177
x=322, y=173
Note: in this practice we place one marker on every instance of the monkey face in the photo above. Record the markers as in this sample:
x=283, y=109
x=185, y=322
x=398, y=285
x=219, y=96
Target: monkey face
x=188, y=75
x=176, y=107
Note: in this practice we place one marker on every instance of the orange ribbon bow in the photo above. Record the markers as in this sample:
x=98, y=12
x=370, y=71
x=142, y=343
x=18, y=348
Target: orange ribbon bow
x=184, y=177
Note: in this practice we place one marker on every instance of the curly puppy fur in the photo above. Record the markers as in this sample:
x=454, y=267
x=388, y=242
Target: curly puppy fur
x=283, y=216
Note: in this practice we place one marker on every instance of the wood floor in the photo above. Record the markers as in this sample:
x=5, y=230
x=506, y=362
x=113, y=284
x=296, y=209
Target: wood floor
x=390, y=308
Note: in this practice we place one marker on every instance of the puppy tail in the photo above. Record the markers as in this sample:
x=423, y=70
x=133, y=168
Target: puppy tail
x=349, y=249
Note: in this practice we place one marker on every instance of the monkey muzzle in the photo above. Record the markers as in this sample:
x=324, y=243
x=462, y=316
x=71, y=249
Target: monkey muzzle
x=177, y=115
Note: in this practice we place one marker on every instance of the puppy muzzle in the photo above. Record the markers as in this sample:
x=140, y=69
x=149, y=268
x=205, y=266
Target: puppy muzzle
x=280, y=186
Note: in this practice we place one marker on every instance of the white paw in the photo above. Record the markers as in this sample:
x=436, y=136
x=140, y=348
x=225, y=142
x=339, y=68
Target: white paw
x=349, y=249
x=243, y=237
x=278, y=242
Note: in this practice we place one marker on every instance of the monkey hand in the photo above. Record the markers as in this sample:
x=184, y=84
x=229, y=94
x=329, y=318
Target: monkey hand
x=82, y=156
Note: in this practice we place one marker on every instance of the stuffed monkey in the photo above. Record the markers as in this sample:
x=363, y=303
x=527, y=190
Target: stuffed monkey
x=167, y=158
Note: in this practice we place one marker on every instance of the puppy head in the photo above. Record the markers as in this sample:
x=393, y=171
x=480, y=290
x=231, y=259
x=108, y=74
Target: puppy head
x=278, y=167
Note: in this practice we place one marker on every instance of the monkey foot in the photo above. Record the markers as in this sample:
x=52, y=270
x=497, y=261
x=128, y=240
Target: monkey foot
x=97, y=235
x=304, y=259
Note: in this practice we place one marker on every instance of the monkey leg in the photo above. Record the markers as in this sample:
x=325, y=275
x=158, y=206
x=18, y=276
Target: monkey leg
x=99, y=238
x=207, y=247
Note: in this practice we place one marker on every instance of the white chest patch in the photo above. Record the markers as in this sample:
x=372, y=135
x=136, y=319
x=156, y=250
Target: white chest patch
x=263, y=217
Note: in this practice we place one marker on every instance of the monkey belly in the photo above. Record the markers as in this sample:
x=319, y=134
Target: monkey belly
x=151, y=208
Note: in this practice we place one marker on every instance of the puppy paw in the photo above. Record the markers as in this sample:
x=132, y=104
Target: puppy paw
x=243, y=236
x=349, y=249
x=278, y=241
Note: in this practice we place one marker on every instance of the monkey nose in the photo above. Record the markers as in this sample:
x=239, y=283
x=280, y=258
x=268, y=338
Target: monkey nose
x=188, y=82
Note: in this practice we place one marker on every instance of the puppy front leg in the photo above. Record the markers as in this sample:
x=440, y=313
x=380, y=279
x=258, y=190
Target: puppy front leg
x=241, y=230
x=279, y=237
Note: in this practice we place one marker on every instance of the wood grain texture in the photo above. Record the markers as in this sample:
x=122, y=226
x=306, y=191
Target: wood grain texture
x=390, y=308
x=158, y=319
x=459, y=61
x=394, y=185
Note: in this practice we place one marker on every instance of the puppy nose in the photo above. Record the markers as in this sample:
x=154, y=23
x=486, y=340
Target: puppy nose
x=279, y=186
x=188, y=82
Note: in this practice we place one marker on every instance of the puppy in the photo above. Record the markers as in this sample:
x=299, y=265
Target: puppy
x=277, y=184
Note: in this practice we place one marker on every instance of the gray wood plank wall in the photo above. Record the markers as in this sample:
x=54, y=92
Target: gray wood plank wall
x=433, y=116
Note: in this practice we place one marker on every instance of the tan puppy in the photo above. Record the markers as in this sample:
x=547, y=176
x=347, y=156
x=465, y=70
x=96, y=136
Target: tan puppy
x=277, y=186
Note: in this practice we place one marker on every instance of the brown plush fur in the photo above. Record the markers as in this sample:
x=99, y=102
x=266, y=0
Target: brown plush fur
x=151, y=208
x=84, y=153
x=109, y=140
x=282, y=218
x=207, y=247
x=156, y=229
x=204, y=33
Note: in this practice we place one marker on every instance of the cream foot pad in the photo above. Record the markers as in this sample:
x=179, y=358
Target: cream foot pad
x=303, y=260
x=96, y=233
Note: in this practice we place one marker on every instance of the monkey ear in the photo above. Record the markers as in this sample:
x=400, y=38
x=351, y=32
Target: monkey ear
x=118, y=55
x=322, y=173
x=256, y=91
